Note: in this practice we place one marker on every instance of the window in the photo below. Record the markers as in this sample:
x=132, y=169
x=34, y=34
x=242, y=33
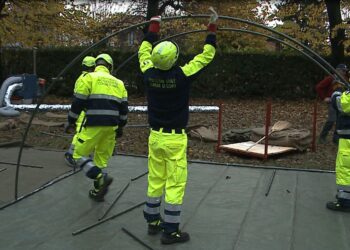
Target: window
x=131, y=38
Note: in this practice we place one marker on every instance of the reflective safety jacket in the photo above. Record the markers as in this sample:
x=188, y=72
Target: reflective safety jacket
x=168, y=90
x=81, y=117
x=79, y=80
x=341, y=102
x=103, y=98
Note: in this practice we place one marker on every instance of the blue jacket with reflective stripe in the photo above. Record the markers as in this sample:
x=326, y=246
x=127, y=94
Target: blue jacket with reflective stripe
x=168, y=91
x=341, y=102
x=103, y=97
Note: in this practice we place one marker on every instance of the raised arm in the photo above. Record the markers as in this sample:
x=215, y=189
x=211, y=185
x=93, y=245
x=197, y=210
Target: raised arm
x=203, y=59
x=145, y=49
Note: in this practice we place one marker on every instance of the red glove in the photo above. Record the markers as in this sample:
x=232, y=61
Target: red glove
x=212, y=27
x=155, y=24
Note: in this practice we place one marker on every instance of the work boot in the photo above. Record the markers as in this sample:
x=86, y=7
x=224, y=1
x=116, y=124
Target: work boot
x=68, y=158
x=155, y=227
x=100, y=188
x=337, y=206
x=175, y=237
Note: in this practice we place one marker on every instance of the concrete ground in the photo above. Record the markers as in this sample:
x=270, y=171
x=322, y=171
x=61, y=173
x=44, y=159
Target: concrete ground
x=225, y=207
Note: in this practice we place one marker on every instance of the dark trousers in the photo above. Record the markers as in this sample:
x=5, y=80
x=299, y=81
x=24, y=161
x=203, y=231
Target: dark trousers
x=328, y=125
x=332, y=116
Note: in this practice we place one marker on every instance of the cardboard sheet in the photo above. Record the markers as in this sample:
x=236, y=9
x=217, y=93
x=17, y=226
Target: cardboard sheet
x=258, y=150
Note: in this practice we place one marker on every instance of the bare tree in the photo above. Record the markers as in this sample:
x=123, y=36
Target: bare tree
x=336, y=35
x=159, y=7
x=152, y=8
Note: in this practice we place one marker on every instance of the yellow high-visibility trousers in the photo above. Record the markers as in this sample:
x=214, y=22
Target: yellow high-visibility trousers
x=343, y=165
x=100, y=140
x=78, y=127
x=167, y=166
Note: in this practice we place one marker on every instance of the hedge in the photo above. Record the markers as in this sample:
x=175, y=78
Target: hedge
x=241, y=75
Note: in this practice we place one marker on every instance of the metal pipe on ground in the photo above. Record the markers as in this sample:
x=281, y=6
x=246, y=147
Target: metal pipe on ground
x=311, y=170
x=136, y=238
x=12, y=144
x=270, y=182
x=8, y=82
x=22, y=165
x=108, y=218
x=139, y=176
x=120, y=193
x=48, y=184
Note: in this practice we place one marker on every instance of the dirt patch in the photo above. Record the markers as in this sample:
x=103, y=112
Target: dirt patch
x=237, y=114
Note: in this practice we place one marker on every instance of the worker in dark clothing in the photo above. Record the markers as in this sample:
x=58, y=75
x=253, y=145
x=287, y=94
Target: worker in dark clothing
x=325, y=89
x=167, y=88
x=103, y=97
x=341, y=103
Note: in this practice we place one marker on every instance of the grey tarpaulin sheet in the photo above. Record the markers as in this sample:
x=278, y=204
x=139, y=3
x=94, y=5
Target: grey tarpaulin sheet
x=224, y=208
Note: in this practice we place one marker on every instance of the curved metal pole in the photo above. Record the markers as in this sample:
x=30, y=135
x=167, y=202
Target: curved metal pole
x=345, y=82
x=281, y=41
x=87, y=50
x=233, y=30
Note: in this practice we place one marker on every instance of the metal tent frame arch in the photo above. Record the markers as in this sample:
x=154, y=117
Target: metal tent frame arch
x=318, y=60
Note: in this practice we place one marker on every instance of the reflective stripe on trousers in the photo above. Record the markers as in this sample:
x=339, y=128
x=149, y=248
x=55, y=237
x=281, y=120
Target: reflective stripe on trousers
x=172, y=213
x=85, y=163
x=152, y=205
x=151, y=210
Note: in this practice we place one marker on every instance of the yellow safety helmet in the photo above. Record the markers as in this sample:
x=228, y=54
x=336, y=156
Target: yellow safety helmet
x=164, y=55
x=88, y=61
x=107, y=58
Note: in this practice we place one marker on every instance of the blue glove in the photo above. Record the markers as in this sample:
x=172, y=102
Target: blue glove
x=119, y=132
x=69, y=128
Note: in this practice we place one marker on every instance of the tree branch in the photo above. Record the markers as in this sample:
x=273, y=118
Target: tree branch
x=171, y=3
x=2, y=6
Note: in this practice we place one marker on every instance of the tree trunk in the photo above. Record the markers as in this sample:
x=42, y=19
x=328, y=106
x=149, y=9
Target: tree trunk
x=337, y=39
x=152, y=10
x=2, y=5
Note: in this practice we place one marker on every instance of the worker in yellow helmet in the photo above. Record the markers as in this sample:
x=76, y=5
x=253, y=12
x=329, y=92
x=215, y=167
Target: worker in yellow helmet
x=341, y=103
x=104, y=99
x=88, y=65
x=167, y=87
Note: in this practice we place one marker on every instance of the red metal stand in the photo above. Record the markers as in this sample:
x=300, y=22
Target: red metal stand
x=314, y=123
x=267, y=126
x=219, y=128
